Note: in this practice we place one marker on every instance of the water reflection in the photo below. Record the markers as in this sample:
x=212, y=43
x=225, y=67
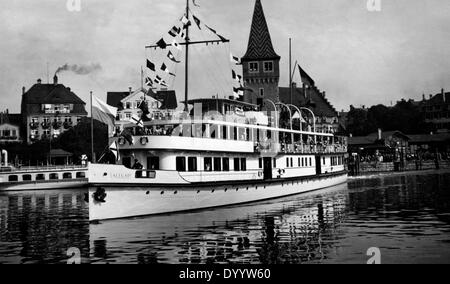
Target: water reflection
x=40, y=227
x=291, y=230
x=406, y=216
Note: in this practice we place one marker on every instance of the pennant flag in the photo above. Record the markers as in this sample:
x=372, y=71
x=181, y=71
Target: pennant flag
x=104, y=113
x=236, y=77
x=186, y=22
x=161, y=44
x=237, y=93
x=211, y=29
x=114, y=148
x=151, y=66
x=222, y=38
x=128, y=136
x=306, y=79
x=165, y=69
x=138, y=121
x=149, y=82
x=235, y=59
x=197, y=22
x=195, y=4
x=176, y=44
x=171, y=57
x=175, y=31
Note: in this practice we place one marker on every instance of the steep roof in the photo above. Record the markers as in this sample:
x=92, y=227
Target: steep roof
x=51, y=94
x=11, y=118
x=114, y=99
x=438, y=99
x=259, y=43
x=313, y=100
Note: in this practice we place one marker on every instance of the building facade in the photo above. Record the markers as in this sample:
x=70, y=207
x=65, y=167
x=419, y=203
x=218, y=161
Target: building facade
x=261, y=74
x=48, y=110
x=128, y=104
x=436, y=110
x=10, y=128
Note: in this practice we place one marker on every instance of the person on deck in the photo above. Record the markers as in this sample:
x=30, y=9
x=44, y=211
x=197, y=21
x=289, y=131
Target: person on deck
x=137, y=165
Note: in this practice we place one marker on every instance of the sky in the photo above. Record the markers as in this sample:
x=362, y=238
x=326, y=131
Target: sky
x=358, y=57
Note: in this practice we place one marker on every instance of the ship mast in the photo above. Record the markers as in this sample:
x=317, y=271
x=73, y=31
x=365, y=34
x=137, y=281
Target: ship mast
x=186, y=83
x=187, y=43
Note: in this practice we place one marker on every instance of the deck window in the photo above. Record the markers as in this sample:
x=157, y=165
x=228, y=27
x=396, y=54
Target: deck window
x=153, y=163
x=27, y=178
x=13, y=178
x=192, y=164
x=40, y=177
x=208, y=164
x=81, y=175
x=243, y=164
x=260, y=163
x=67, y=176
x=274, y=162
x=226, y=164
x=181, y=164
x=287, y=162
x=237, y=165
x=217, y=164
x=310, y=162
x=54, y=176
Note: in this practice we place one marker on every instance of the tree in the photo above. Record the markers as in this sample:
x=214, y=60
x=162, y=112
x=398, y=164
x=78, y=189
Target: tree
x=77, y=140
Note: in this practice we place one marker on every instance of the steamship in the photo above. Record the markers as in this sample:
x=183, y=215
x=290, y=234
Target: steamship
x=217, y=152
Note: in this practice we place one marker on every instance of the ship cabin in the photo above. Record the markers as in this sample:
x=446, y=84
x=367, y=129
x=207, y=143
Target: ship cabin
x=225, y=139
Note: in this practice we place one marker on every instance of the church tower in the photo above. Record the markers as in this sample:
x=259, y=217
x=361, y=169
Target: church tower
x=260, y=64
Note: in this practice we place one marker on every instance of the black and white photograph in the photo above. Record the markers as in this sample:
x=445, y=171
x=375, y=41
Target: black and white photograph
x=217, y=133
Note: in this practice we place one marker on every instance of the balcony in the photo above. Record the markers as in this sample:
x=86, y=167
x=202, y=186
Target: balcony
x=57, y=124
x=34, y=125
x=68, y=124
x=46, y=125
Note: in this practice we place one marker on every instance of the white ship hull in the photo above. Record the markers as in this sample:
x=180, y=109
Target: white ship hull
x=139, y=200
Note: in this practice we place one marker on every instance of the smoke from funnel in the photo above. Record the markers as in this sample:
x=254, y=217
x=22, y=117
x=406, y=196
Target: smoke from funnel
x=80, y=69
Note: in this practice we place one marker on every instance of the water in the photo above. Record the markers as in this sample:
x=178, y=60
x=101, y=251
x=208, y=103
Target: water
x=406, y=216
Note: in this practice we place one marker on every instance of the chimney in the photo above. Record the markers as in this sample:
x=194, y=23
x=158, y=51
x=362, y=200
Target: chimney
x=55, y=80
x=380, y=134
x=423, y=97
x=23, y=90
x=443, y=95
x=39, y=81
x=431, y=96
x=324, y=94
x=130, y=90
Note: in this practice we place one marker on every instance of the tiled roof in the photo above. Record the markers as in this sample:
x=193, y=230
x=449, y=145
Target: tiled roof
x=313, y=100
x=259, y=43
x=50, y=94
x=10, y=118
x=114, y=99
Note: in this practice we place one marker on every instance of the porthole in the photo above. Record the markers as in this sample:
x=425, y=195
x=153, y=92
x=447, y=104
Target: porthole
x=198, y=191
x=226, y=189
x=162, y=192
x=213, y=191
x=148, y=192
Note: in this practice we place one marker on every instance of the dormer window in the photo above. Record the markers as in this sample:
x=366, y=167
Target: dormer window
x=268, y=66
x=253, y=67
